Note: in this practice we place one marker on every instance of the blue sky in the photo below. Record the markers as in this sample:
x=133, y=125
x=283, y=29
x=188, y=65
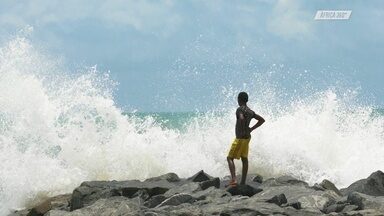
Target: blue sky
x=179, y=55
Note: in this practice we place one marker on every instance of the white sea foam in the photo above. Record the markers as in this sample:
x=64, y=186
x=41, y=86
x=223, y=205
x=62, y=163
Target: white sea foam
x=57, y=130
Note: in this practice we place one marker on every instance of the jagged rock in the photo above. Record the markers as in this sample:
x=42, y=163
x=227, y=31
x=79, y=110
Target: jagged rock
x=334, y=208
x=170, y=177
x=186, y=188
x=186, y=209
x=155, y=201
x=349, y=208
x=88, y=192
x=177, y=199
x=163, y=195
x=244, y=190
x=365, y=212
x=364, y=201
x=373, y=185
x=296, y=205
x=210, y=193
x=342, y=200
x=118, y=205
x=320, y=202
x=200, y=177
x=309, y=199
x=278, y=199
x=328, y=185
x=318, y=187
x=251, y=207
x=215, y=182
x=283, y=180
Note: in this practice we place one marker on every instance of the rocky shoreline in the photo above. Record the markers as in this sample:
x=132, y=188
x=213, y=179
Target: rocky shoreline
x=202, y=194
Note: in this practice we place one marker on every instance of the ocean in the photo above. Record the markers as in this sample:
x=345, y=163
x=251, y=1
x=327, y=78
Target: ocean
x=58, y=129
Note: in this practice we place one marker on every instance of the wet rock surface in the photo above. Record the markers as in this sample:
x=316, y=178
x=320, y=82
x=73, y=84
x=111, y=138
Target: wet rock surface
x=202, y=194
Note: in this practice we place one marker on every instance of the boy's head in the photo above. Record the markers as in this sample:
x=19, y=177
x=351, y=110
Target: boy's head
x=242, y=98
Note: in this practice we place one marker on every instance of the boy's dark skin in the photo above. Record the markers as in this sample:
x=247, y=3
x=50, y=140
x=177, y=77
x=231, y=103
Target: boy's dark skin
x=243, y=131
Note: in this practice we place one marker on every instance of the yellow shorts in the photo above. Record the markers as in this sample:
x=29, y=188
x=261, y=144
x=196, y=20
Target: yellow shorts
x=239, y=148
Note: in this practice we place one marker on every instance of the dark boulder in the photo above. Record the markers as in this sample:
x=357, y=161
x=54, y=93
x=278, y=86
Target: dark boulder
x=170, y=177
x=89, y=192
x=278, y=199
x=373, y=185
x=295, y=205
x=244, y=190
x=154, y=201
x=364, y=201
x=215, y=182
x=334, y=208
x=257, y=178
x=200, y=177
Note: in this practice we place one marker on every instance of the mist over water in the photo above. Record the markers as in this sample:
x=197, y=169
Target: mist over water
x=58, y=129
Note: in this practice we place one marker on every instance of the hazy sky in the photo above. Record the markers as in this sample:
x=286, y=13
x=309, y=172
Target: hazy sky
x=180, y=55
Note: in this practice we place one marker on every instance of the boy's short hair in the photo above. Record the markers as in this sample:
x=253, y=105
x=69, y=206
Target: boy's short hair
x=243, y=96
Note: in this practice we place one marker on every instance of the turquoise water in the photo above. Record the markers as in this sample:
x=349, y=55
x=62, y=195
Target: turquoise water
x=179, y=120
x=167, y=120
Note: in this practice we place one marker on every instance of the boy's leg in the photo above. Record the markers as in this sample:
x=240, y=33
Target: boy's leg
x=231, y=166
x=245, y=169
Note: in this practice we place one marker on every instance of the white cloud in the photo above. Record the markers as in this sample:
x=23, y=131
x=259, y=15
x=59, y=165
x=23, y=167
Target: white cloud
x=289, y=21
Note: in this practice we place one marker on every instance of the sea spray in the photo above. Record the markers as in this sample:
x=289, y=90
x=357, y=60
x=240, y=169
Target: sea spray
x=58, y=129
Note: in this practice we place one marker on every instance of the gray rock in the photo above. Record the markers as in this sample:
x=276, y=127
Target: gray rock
x=318, y=187
x=154, y=201
x=334, y=208
x=105, y=207
x=185, y=209
x=215, y=182
x=210, y=194
x=88, y=192
x=186, y=188
x=244, y=190
x=177, y=199
x=170, y=177
x=251, y=207
x=309, y=199
x=320, y=202
x=278, y=199
x=295, y=205
x=349, y=208
x=283, y=180
x=200, y=177
x=365, y=212
x=364, y=201
x=328, y=185
x=342, y=200
x=373, y=185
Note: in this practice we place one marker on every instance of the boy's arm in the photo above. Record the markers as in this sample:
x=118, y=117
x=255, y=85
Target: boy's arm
x=260, y=121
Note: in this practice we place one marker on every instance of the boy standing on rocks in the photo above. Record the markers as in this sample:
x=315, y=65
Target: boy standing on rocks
x=239, y=147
